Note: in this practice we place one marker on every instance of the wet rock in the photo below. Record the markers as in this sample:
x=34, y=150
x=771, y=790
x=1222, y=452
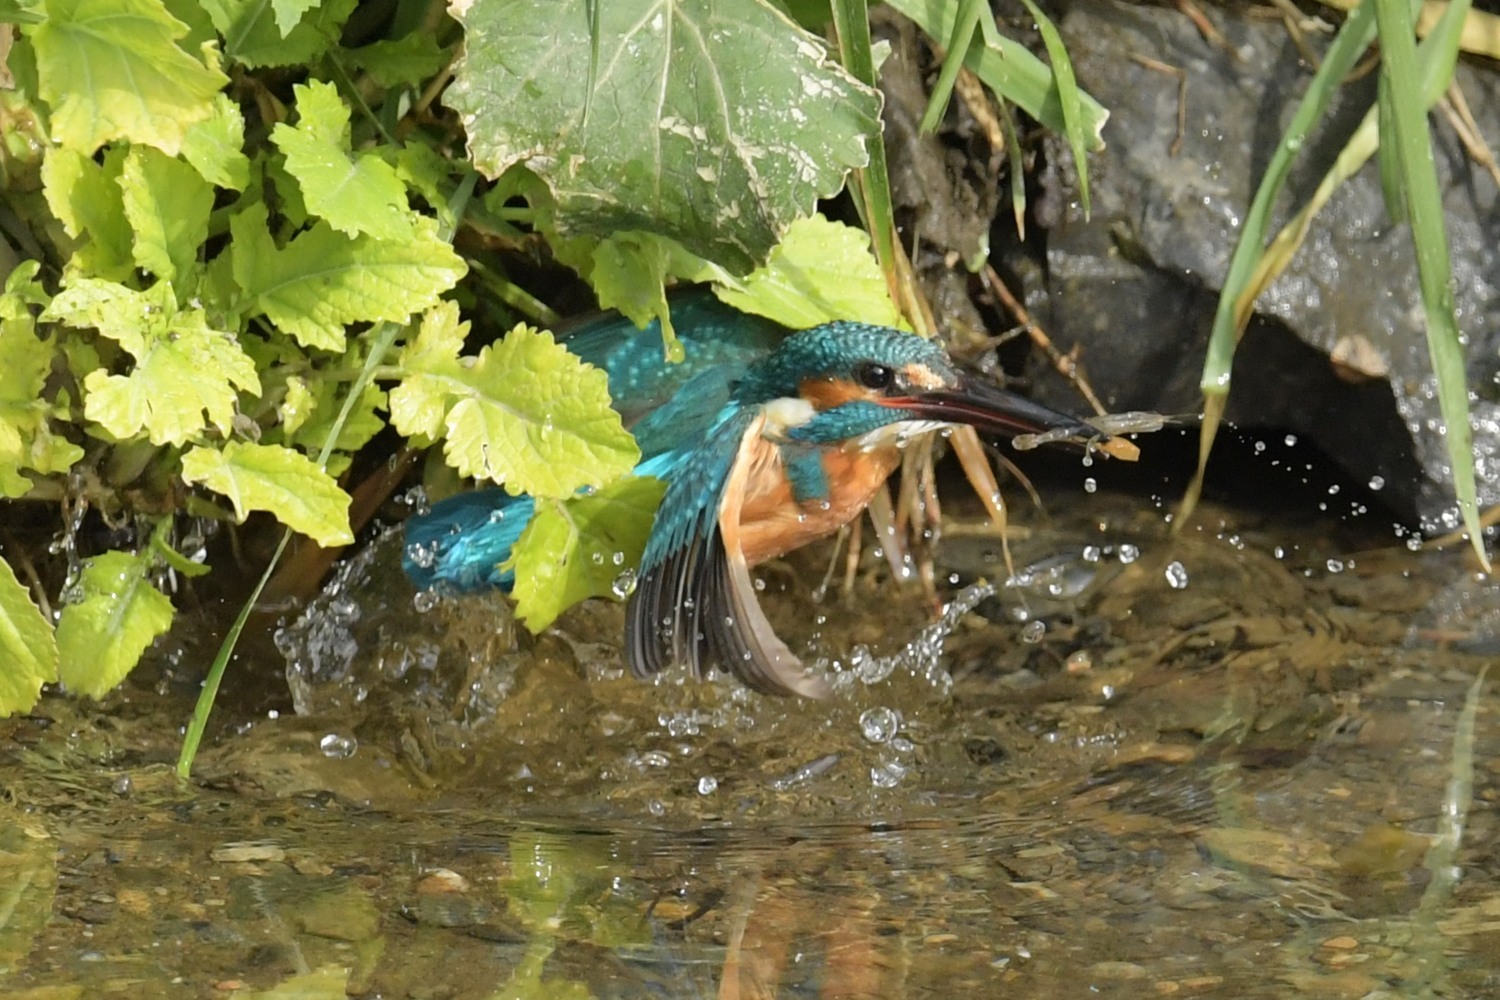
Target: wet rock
x=1337, y=352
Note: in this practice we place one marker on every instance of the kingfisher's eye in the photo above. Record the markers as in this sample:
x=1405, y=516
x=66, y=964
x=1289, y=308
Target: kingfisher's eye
x=874, y=376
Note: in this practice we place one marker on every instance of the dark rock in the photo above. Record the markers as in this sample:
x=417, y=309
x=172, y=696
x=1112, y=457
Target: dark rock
x=1338, y=351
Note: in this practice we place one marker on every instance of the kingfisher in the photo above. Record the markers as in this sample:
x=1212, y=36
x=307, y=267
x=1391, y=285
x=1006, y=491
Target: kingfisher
x=767, y=440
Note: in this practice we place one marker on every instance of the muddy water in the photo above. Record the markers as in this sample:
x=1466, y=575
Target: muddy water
x=1234, y=763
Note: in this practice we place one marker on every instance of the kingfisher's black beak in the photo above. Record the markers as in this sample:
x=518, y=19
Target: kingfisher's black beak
x=988, y=408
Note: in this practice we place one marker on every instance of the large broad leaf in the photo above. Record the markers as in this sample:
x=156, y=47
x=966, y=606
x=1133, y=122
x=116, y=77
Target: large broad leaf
x=28, y=650
x=323, y=281
x=276, y=479
x=714, y=122
x=186, y=374
x=112, y=69
x=101, y=637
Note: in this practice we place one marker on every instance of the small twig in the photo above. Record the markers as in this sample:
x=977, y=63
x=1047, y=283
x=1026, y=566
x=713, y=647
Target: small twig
x=1292, y=19
x=1066, y=364
x=1206, y=28
x=1456, y=107
x=23, y=560
x=1157, y=66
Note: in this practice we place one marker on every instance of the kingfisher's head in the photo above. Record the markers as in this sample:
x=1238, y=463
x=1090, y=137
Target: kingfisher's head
x=852, y=381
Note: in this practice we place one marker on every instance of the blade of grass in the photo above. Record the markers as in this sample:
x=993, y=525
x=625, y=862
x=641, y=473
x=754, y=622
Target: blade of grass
x=964, y=23
x=1424, y=207
x=1011, y=70
x=1436, y=56
x=872, y=184
x=1232, y=315
x=1017, y=167
x=383, y=337
x=1075, y=124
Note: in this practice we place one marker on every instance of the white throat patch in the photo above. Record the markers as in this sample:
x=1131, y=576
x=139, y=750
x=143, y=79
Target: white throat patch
x=785, y=413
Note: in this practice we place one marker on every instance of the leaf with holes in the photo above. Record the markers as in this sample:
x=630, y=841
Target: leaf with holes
x=713, y=122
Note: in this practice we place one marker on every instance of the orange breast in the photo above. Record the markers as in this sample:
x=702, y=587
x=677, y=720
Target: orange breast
x=772, y=523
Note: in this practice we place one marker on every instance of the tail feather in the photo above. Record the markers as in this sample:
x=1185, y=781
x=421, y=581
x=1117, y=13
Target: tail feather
x=463, y=540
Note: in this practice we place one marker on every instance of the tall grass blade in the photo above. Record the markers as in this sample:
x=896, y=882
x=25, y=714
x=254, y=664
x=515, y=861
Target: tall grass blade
x=1424, y=209
x=965, y=21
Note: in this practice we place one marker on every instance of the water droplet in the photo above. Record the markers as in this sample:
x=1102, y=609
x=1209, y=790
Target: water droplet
x=1291, y=440
x=338, y=747
x=1089, y=485
x=1335, y=566
x=707, y=785
x=1377, y=483
x=879, y=724
x=1128, y=553
x=1177, y=576
x=887, y=774
x=424, y=601
x=624, y=585
x=1034, y=632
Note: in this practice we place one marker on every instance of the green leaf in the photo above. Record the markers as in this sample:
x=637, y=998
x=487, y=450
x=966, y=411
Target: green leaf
x=278, y=480
x=405, y=61
x=289, y=13
x=28, y=649
x=28, y=361
x=101, y=637
x=1011, y=70
x=167, y=203
x=252, y=36
x=87, y=199
x=112, y=69
x=579, y=548
x=537, y=419
x=430, y=368
x=184, y=370
x=713, y=122
x=820, y=272
x=525, y=412
x=630, y=272
x=323, y=281
x=354, y=195
x=215, y=146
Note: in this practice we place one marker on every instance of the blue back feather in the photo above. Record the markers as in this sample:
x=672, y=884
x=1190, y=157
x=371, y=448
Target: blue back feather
x=463, y=540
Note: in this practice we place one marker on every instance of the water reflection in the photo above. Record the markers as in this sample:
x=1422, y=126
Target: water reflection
x=1233, y=787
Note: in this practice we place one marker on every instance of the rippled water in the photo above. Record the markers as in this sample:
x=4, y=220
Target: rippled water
x=1231, y=763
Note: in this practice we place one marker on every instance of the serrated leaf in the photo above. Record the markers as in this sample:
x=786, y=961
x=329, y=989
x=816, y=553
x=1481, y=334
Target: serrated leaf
x=26, y=439
x=289, y=13
x=408, y=60
x=112, y=69
x=167, y=203
x=252, y=36
x=323, y=281
x=354, y=194
x=185, y=371
x=86, y=197
x=430, y=368
x=714, y=122
x=278, y=480
x=578, y=548
x=101, y=637
x=28, y=649
x=215, y=146
x=821, y=271
x=532, y=416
